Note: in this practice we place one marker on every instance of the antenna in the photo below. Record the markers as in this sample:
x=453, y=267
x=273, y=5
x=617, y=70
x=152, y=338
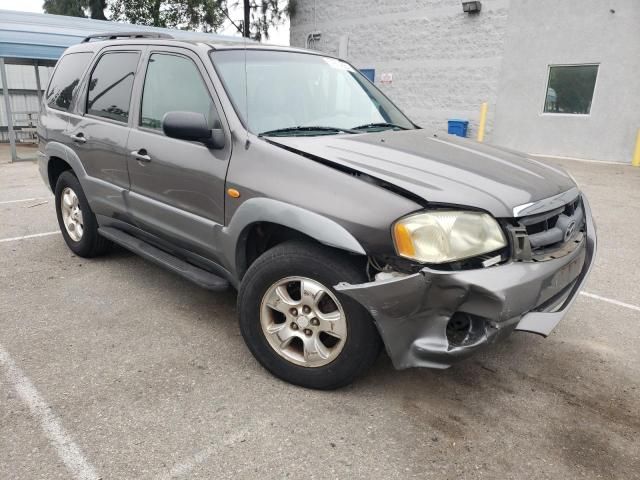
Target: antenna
x=246, y=94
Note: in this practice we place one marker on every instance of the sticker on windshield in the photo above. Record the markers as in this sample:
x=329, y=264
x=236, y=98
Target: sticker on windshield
x=337, y=64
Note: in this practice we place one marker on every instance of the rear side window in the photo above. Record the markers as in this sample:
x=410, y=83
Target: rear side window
x=173, y=83
x=66, y=79
x=110, y=85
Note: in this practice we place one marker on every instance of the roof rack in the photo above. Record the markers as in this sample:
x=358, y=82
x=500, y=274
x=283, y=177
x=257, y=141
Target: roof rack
x=116, y=35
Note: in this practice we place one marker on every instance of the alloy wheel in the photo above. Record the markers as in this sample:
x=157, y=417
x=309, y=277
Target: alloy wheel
x=303, y=321
x=71, y=214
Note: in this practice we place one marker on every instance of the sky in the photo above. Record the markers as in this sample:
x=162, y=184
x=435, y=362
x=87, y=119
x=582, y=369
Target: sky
x=279, y=36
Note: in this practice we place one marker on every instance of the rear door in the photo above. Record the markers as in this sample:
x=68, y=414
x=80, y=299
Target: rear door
x=177, y=186
x=99, y=130
x=60, y=96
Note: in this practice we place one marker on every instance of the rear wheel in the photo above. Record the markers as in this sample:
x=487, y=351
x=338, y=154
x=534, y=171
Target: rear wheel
x=77, y=222
x=297, y=326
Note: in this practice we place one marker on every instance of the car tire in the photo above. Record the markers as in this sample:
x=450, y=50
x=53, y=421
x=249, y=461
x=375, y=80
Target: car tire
x=340, y=349
x=77, y=221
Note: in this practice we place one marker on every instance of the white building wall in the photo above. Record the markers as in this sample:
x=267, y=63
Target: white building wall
x=444, y=62
x=552, y=32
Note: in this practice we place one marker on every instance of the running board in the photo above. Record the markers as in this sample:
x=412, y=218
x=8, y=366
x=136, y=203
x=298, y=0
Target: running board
x=200, y=277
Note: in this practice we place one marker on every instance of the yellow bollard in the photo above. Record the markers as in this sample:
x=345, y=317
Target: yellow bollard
x=635, y=160
x=483, y=121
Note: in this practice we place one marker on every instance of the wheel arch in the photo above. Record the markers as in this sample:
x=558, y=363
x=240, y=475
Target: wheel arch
x=55, y=167
x=60, y=158
x=261, y=223
x=259, y=237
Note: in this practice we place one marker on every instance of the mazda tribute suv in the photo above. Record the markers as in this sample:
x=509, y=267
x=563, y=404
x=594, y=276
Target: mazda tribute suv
x=287, y=175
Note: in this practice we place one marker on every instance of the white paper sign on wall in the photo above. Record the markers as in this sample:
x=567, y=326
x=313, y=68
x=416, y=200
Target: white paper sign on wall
x=386, y=78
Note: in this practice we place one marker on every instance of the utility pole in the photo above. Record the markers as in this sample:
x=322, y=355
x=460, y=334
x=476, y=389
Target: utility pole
x=247, y=19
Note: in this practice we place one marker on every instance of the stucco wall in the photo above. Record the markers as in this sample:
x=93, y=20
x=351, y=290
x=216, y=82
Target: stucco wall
x=546, y=32
x=444, y=62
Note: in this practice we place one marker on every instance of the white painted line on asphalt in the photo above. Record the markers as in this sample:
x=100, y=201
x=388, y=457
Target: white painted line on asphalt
x=610, y=300
x=6, y=202
x=184, y=469
x=26, y=237
x=67, y=450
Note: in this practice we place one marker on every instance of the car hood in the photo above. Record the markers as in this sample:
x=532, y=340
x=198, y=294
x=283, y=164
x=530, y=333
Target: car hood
x=443, y=169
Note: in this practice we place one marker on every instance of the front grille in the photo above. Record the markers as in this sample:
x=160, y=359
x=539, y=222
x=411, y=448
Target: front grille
x=549, y=235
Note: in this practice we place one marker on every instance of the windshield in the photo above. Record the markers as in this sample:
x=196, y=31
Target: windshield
x=286, y=91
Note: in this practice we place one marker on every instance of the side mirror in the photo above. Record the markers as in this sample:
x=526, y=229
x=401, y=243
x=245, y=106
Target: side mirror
x=192, y=126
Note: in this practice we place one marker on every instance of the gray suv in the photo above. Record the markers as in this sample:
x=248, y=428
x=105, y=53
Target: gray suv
x=287, y=175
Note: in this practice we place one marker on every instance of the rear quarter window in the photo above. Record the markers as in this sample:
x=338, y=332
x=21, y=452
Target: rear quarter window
x=66, y=78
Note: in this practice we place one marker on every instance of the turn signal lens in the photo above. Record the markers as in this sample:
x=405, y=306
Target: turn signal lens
x=402, y=237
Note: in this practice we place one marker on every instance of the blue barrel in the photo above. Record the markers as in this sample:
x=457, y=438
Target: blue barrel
x=458, y=127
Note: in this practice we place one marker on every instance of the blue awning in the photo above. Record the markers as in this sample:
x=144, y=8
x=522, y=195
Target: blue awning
x=38, y=36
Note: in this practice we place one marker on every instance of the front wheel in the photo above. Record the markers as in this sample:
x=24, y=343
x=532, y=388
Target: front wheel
x=297, y=326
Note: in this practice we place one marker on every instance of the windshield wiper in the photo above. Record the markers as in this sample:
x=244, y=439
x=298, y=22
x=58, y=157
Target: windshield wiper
x=366, y=126
x=280, y=131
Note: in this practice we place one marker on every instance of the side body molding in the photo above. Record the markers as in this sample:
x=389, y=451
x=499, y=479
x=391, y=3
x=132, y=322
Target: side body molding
x=305, y=221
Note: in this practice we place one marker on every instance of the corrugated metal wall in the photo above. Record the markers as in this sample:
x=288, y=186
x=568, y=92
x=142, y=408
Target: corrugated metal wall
x=23, y=96
x=24, y=76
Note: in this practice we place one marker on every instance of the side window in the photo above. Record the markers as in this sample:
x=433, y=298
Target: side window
x=174, y=83
x=66, y=79
x=110, y=85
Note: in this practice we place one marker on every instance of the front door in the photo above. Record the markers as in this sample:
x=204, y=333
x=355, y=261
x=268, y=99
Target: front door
x=177, y=186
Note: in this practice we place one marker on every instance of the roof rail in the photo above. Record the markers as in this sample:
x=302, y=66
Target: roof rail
x=116, y=35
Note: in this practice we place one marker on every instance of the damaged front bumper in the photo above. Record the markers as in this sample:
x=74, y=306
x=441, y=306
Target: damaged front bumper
x=415, y=313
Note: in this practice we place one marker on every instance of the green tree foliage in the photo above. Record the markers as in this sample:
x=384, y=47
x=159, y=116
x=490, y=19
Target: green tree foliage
x=71, y=8
x=97, y=7
x=261, y=15
x=202, y=15
x=76, y=8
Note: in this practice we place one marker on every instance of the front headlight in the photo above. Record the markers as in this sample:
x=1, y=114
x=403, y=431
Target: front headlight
x=445, y=236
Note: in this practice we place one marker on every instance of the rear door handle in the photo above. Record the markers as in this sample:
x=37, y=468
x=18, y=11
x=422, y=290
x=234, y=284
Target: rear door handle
x=141, y=155
x=79, y=138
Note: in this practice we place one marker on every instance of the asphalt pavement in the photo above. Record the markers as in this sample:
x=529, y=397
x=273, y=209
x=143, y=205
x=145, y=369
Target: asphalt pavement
x=114, y=368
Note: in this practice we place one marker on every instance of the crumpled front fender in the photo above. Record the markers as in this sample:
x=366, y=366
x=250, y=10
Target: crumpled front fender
x=412, y=311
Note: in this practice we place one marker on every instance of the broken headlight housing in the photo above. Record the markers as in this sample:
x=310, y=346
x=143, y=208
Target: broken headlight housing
x=442, y=236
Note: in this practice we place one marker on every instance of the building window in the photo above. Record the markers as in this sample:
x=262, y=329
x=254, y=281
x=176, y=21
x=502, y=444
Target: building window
x=570, y=89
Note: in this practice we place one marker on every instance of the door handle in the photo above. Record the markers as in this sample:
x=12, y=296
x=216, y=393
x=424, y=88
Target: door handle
x=141, y=155
x=79, y=138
